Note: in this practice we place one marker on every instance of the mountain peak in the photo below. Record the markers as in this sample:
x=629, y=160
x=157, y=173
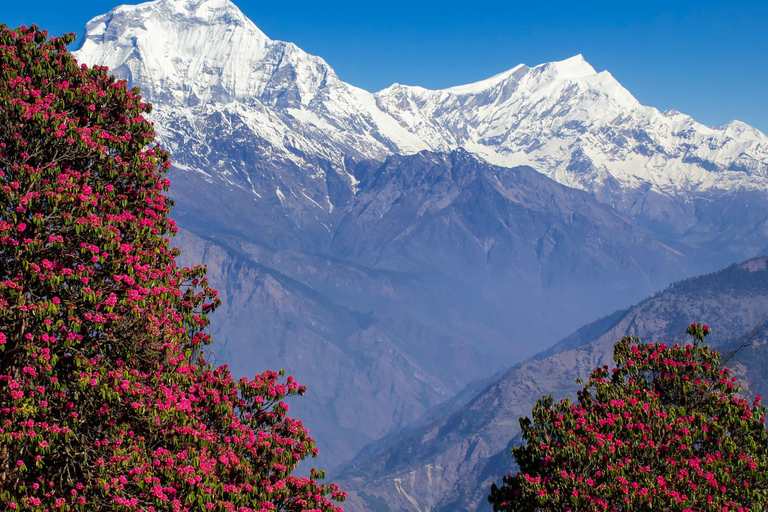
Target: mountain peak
x=570, y=69
x=180, y=51
x=573, y=68
x=208, y=10
x=738, y=128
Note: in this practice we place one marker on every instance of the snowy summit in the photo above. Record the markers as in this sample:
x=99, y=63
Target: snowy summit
x=565, y=119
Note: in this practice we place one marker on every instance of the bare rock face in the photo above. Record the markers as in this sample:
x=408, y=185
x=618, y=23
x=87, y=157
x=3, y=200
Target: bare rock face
x=436, y=275
x=359, y=371
x=448, y=461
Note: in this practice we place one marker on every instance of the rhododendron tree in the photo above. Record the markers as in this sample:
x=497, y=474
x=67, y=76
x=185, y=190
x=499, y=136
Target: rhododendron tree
x=106, y=400
x=666, y=429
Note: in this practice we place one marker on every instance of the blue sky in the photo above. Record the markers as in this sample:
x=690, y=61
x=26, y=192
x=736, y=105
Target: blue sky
x=704, y=58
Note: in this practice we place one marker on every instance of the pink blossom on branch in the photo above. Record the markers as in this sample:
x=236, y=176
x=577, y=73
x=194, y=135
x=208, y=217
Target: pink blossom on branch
x=106, y=400
x=666, y=429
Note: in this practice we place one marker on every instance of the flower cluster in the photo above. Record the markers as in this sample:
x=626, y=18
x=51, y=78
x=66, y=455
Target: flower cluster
x=106, y=399
x=666, y=429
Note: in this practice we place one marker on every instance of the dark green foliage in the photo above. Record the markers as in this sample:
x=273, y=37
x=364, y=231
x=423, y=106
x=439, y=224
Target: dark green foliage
x=666, y=429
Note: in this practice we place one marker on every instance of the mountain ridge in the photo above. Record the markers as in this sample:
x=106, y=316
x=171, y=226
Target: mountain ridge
x=578, y=126
x=448, y=461
x=439, y=320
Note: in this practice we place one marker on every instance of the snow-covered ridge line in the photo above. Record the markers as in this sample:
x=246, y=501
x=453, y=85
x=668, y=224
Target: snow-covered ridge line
x=570, y=122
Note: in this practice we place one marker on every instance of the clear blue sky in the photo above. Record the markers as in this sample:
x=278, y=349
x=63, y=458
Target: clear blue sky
x=705, y=58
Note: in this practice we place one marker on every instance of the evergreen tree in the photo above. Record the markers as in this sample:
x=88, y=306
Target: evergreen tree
x=666, y=429
x=106, y=400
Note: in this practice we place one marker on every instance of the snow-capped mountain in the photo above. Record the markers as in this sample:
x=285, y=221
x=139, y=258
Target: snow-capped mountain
x=583, y=129
x=577, y=126
x=203, y=54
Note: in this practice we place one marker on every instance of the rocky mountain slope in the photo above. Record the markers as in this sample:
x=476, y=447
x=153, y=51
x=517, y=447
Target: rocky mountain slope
x=447, y=462
x=437, y=275
x=361, y=244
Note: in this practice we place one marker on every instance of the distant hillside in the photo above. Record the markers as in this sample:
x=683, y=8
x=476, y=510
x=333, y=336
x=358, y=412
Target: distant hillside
x=443, y=269
x=447, y=463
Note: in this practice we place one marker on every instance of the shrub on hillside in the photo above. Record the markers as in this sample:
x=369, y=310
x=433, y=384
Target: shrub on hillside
x=106, y=400
x=666, y=429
